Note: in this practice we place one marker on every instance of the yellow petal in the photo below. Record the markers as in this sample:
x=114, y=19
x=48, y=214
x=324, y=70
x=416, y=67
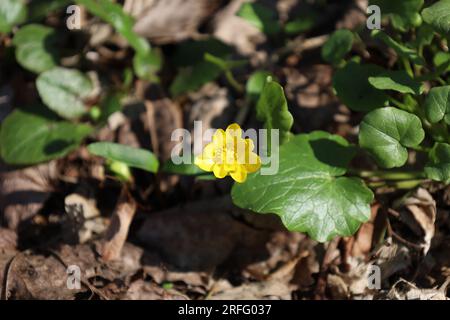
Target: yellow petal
x=209, y=151
x=250, y=145
x=234, y=130
x=205, y=164
x=219, y=171
x=254, y=163
x=219, y=138
x=239, y=175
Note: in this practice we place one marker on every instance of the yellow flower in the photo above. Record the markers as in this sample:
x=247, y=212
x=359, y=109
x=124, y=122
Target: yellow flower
x=229, y=154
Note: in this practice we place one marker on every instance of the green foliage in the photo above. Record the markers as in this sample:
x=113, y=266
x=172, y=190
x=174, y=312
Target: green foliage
x=438, y=167
x=272, y=110
x=437, y=15
x=64, y=90
x=36, y=47
x=354, y=90
x=33, y=135
x=437, y=104
x=132, y=157
x=261, y=17
x=146, y=62
x=194, y=70
x=338, y=45
x=404, y=14
x=255, y=84
x=12, y=12
x=398, y=81
x=387, y=132
x=309, y=192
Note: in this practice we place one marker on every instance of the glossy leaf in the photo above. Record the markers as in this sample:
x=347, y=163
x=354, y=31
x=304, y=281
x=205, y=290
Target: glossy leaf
x=133, y=157
x=437, y=104
x=64, y=90
x=438, y=167
x=34, y=135
x=12, y=12
x=337, y=46
x=272, y=109
x=354, y=90
x=36, y=47
x=398, y=81
x=309, y=191
x=261, y=17
x=255, y=84
x=386, y=133
x=438, y=15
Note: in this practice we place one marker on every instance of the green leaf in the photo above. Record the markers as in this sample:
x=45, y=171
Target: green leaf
x=305, y=20
x=36, y=47
x=337, y=46
x=438, y=167
x=261, y=17
x=402, y=12
x=398, y=81
x=63, y=91
x=32, y=136
x=354, y=90
x=133, y=157
x=12, y=12
x=437, y=104
x=182, y=169
x=387, y=132
x=193, y=78
x=123, y=23
x=255, y=84
x=441, y=59
x=402, y=50
x=438, y=16
x=272, y=109
x=308, y=192
x=194, y=71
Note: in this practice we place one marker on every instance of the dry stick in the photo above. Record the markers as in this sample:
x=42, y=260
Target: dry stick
x=118, y=229
x=319, y=292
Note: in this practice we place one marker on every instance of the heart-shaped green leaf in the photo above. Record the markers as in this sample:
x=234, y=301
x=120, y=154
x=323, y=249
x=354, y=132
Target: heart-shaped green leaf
x=34, y=135
x=337, y=46
x=438, y=167
x=387, y=132
x=398, y=81
x=437, y=104
x=36, y=47
x=261, y=17
x=308, y=192
x=64, y=90
x=438, y=15
x=354, y=90
x=12, y=12
x=272, y=109
x=133, y=157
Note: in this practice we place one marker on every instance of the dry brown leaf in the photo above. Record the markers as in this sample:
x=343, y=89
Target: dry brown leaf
x=118, y=230
x=404, y=290
x=168, y=21
x=8, y=239
x=23, y=192
x=266, y=290
x=420, y=215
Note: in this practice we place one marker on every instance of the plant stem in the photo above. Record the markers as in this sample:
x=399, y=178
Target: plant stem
x=388, y=175
x=233, y=82
x=421, y=149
